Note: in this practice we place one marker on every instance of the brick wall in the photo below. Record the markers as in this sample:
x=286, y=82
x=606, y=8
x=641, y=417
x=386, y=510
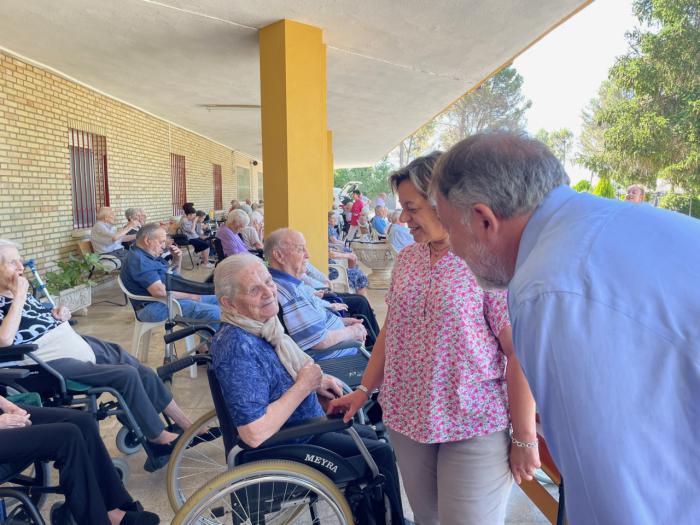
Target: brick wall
x=37, y=108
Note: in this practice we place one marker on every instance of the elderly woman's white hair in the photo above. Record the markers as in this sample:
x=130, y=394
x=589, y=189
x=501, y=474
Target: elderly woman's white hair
x=395, y=216
x=237, y=218
x=4, y=245
x=103, y=212
x=226, y=274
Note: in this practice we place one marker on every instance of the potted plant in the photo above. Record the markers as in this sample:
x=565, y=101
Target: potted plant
x=70, y=285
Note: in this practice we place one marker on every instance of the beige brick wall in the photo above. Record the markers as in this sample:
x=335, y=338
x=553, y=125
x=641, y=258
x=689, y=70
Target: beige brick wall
x=37, y=108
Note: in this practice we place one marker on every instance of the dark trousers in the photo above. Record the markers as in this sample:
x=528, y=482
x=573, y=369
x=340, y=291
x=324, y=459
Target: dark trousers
x=71, y=439
x=359, y=305
x=199, y=245
x=382, y=453
x=142, y=389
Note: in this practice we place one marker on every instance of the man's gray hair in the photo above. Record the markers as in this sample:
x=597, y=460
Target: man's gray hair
x=394, y=216
x=131, y=213
x=238, y=217
x=509, y=173
x=4, y=245
x=147, y=231
x=275, y=241
x=226, y=282
x=419, y=171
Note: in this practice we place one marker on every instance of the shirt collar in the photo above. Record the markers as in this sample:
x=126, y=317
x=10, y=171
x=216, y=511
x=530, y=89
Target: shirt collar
x=144, y=252
x=554, y=200
x=284, y=276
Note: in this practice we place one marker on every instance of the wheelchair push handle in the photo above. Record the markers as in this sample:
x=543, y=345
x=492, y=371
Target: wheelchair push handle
x=167, y=371
x=188, y=331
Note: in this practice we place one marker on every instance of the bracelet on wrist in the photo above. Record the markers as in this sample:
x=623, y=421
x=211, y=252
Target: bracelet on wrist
x=522, y=444
x=364, y=390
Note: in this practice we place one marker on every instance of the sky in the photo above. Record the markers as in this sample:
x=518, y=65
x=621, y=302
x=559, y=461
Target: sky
x=563, y=71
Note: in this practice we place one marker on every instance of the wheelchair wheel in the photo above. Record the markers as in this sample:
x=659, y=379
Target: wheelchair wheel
x=127, y=442
x=189, y=467
x=122, y=468
x=267, y=492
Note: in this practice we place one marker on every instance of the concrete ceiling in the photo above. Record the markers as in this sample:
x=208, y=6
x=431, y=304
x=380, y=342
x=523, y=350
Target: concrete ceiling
x=392, y=64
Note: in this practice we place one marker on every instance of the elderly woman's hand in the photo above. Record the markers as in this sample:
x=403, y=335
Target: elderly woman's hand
x=330, y=387
x=62, y=313
x=523, y=462
x=310, y=377
x=8, y=407
x=14, y=421
x=19, y=286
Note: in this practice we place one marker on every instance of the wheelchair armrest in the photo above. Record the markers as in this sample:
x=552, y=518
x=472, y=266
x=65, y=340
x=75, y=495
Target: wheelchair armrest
x=310, y=427
x=176, y=283
x=9, y=375
x=342, y=346
x=16, y=352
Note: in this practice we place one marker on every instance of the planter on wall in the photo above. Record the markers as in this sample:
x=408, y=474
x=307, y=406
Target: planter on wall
x=75, y=299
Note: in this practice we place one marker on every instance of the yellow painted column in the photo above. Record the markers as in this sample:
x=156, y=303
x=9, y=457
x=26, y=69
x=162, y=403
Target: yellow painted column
x=294, y=132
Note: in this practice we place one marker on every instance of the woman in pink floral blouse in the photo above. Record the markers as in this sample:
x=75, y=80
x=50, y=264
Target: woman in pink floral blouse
x=450, y=382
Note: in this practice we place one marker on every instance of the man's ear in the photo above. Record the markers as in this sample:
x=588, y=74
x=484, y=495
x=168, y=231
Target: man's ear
x=484, y=222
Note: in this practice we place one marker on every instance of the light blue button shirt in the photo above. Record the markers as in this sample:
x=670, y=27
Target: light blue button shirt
x=605, y=308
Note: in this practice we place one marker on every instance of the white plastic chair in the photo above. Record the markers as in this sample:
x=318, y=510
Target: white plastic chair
x=142, y=329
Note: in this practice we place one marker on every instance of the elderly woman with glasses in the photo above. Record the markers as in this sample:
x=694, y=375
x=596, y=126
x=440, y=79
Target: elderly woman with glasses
x=266, y=379
x=451, y=385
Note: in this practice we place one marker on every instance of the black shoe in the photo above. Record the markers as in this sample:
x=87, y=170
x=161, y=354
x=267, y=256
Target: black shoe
x=163, y=449
x=142, y=517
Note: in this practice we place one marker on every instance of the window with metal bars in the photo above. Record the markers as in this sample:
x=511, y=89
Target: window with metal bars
x=88, y=172
x=179, y=182
x=218, y=199
x=243, y=183
x=260, y=185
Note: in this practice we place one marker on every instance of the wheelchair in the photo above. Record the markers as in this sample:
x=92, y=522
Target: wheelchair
x=198, y=455
x=55, y=390
x=283, y=482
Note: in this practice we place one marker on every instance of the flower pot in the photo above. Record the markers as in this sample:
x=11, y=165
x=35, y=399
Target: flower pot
x=379, y=257
x=75, y=299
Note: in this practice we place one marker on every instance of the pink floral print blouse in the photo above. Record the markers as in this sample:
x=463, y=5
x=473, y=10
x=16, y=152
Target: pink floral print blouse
x=444, y=371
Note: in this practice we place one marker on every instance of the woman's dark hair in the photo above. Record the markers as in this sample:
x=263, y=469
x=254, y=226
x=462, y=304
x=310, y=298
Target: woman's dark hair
x=188, y=208
x=200, y=213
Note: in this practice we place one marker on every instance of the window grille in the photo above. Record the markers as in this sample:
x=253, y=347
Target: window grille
x=179, y=182
x=218, y=199
x=88, y=172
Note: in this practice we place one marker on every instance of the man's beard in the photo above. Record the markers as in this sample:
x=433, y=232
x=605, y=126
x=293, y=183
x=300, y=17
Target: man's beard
x=489, y=270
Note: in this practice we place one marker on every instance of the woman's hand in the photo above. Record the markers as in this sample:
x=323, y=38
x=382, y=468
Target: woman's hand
x=8, y=407
x=523, y=462
x=310, y=377
x=339, y=307
x=348, y=405
x=330, y=387
x=19, y=286
x=14, y=421
x=62, y=313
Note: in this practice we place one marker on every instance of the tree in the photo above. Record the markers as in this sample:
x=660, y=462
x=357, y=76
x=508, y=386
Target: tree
x=604, y=188
x=583, y=186
x=374, y=178
x=498, y=104
x=559, y=141
x=417, y=144
x=651, y=129
x=682, y=203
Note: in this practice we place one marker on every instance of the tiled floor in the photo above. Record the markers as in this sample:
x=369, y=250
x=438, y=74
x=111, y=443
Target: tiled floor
x=115, y=323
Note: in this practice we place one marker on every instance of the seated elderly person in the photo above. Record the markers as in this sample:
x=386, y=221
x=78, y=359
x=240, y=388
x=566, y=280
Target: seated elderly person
x=266, y=379
x=354, y=304
x=379, y=221
x=227, y=233
x=24, y=319
x=398, y=235
x=135, y=217
x=198, y=240
x=308, y=323
x=106, y=238
x=94, y=493
x=144, y=273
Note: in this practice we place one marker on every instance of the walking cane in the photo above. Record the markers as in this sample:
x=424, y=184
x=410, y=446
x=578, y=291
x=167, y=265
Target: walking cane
x=38, y=283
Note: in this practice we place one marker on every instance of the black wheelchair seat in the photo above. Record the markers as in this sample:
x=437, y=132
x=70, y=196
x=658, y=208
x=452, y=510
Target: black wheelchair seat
x=339, y=469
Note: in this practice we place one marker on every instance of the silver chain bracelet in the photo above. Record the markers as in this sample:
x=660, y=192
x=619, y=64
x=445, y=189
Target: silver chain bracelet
x=522, y=444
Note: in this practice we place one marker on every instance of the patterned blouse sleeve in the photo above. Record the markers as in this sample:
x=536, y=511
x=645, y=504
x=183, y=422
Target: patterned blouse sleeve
x=496, y=310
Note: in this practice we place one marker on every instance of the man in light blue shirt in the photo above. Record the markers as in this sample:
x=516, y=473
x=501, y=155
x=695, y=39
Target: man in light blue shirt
x=604, y=303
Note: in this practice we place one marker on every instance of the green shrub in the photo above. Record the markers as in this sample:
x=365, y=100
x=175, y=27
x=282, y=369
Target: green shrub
x=681, y=203
x=583, y=186
x=73, y=272
x=604, y=188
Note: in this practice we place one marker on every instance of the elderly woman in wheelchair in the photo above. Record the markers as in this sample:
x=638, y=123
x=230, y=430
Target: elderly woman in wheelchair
x=263, y=381
x=90, y=361
x=94, y=493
